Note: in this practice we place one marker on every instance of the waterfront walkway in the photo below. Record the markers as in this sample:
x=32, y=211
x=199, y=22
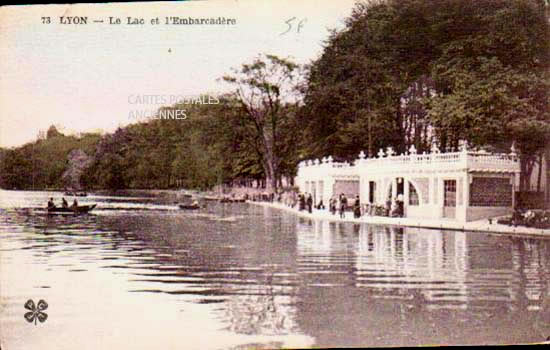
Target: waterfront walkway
x=476, y=226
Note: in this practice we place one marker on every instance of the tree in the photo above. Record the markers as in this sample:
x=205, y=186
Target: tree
x=353, y=99
x=78, y=160
x=493, y=86
x=263, y=88
x=52, y=132
x=406, y=72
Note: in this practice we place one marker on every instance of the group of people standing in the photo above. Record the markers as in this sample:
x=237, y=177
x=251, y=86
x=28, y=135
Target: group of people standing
x=395, y=206
x=338, y=204
x=341, y=204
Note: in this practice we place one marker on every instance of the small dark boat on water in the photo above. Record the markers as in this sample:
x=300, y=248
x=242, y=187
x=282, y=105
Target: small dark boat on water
x=76, y=194
x=189, y=206
x=82, y=209
x=232, y=200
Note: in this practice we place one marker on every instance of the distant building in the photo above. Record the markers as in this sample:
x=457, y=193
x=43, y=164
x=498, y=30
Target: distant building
x=462, y=186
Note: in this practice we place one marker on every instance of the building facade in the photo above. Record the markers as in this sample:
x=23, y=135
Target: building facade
x=463, y=186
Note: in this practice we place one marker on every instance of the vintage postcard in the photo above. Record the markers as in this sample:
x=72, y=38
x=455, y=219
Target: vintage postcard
x=274, y=174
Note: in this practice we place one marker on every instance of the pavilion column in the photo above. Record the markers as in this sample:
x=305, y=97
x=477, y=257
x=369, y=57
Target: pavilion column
x=320, y=191
x=467, y=182
x=328, y=188
x=313, y=191
x=366, y=185
x=431, y=191
x=466, y=190
x=406, y=194
x=514, y=188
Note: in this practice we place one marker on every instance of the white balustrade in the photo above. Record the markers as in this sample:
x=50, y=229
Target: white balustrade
x=433, y=161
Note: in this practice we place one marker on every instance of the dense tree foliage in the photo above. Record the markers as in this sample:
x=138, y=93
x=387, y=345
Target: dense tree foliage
x=400, y=73
x=214, y=145
x=420, y=71
x=263, y=89
x=41, y=164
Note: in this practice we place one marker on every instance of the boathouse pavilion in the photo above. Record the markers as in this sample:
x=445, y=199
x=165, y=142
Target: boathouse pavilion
x=462, y=186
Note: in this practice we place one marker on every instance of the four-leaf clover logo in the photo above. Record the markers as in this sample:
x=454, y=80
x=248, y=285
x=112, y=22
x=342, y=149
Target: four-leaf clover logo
x=36, y=312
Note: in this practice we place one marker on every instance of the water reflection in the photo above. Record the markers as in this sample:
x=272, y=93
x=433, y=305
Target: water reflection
x=266, y=314
x=254, y=276
x=476, y=276
x=449, y=268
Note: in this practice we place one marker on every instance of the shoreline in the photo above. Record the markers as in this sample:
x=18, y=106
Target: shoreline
x=317, y=214
x=441, y=224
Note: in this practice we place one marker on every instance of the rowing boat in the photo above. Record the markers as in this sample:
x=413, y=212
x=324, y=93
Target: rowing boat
x=72, y=210
x=189, y=206
x=76, y=194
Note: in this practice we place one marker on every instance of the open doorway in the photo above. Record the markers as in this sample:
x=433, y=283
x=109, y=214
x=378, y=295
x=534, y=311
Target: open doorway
x=449, y=198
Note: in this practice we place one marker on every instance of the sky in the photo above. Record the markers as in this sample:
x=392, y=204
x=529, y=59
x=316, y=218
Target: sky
x=86, y=78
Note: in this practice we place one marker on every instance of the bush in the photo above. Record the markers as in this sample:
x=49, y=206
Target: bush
x=529, y=218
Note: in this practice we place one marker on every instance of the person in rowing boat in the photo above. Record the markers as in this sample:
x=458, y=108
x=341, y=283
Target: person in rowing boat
x=195, y=202
x=75, y=204
x=65, y=204
x=51, y=204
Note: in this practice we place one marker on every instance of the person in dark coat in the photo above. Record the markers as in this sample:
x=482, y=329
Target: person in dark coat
x=302, y=202
x=309, y=202
x=321, y=205
x=388, y=206
x=51, y=204
x=343, y=205
x=332, y=205
x=357, y=208
x=400, y=206
x=65, y=204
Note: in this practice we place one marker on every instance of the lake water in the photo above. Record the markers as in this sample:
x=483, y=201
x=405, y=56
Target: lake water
x=140, y=275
